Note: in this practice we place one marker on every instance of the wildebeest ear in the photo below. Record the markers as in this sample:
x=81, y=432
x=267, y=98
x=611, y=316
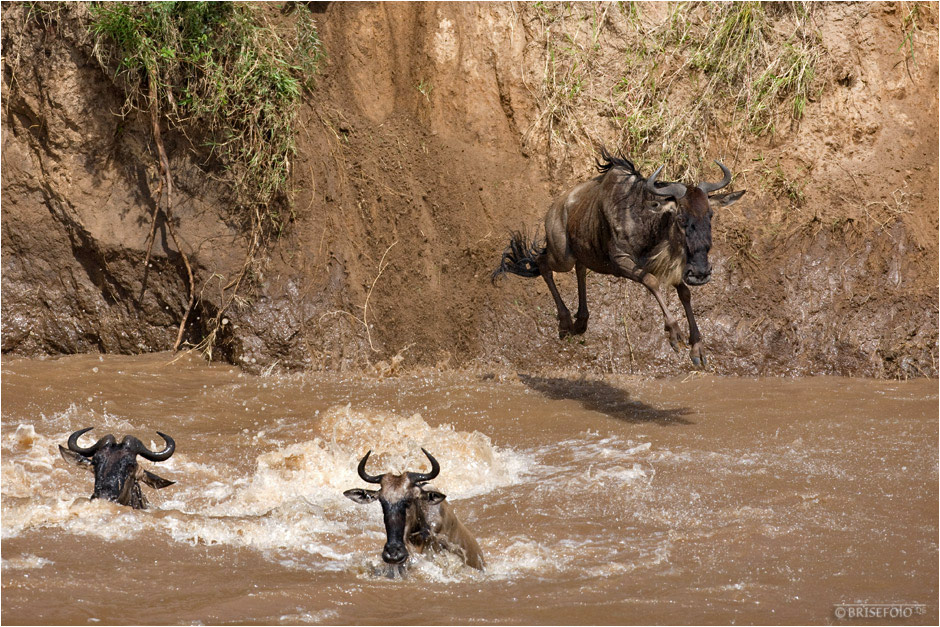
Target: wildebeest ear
x=155, y=481
x=433, y=497
x=75, y=458
x=361, y=496
x=726, y=200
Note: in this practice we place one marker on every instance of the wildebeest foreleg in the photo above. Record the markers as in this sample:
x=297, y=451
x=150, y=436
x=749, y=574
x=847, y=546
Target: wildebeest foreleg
x=695, y=338
x=672, y=325
x=581, y=316
x=564, y=316
x=628, y=269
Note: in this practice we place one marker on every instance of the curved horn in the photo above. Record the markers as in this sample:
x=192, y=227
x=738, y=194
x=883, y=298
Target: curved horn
x=362, y=471
x=87, y=452
x=417, y=477
x=163, y=455
x=714, y=187
x=676, y=190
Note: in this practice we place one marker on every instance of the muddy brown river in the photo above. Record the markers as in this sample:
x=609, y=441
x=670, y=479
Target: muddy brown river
x=595, y=500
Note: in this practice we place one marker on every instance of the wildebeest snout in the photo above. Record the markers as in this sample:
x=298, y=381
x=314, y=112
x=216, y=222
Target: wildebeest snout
x=697, y=274
x=394, y=553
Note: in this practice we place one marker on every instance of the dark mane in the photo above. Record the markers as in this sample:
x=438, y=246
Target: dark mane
x=610, y=161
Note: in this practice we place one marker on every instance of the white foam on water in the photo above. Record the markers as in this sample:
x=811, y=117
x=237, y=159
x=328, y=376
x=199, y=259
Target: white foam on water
x=80, y=516
x=308, y=618
x=523, y=555
x=437, y=567
x=592, y=461
x=290, y=507
x=288, y=527
x=648, y=558
x=520, y=557
x=319, y=469
x=618, y=475
x=25, y=562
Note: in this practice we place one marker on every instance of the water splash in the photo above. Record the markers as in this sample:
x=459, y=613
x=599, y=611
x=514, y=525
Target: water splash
x=291, y=502
x=25, y=562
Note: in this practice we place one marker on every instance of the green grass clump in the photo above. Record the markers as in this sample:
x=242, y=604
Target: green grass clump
x=755, y=67
x=678, y=75
x=224, y=77
x=790, y=76
x=910, y=23
x=732, y=42
x=760, y=58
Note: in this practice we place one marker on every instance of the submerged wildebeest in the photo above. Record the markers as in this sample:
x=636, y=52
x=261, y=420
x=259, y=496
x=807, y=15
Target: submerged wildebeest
x=621, y=224
x=416, y=516
x=117, y=473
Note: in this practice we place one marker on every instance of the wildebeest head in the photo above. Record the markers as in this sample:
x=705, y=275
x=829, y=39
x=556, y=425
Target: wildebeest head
x=401, y=497
x=115, y=466
x=693, y=216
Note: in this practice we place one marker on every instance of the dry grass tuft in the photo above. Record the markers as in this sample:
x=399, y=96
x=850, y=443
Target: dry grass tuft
x=674, y=72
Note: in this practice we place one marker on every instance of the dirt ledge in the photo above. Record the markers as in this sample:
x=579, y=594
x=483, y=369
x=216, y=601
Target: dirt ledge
x=424, y=185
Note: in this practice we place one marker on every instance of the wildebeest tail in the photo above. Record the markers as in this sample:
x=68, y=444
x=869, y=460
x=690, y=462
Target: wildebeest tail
x=521, y=256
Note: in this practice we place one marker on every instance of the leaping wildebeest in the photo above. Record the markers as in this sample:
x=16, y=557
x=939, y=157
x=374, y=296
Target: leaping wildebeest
x=416, y=515
x=117, y=473
x=619, y=223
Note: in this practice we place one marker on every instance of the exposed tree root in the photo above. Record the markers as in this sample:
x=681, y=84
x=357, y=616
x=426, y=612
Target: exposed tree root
x=150, y=239
x=208, y=343
x=166, y=183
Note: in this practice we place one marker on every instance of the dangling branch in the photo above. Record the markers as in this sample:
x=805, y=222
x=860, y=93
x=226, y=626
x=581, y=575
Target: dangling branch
x=150, y=239
x=153, y=222
x=167, y=182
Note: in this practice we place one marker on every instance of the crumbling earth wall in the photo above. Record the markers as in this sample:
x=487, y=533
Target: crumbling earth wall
x=422, y=145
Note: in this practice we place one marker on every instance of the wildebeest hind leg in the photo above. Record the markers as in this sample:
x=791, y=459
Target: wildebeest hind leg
x=697, y=354
x=581, y=316
x=672, y=325
x=564, y=316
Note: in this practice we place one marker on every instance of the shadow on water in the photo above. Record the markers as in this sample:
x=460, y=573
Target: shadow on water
x=606, y=399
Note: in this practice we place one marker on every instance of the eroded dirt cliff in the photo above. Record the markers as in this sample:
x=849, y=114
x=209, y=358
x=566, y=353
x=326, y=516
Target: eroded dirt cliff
x=422, y=145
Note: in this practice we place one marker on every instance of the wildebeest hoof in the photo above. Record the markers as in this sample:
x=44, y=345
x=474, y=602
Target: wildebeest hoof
x=580, y=326
x=675, y=337
x=697, y=355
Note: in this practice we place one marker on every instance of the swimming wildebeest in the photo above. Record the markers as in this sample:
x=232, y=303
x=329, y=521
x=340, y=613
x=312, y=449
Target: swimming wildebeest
x=416, y=516
x=117, y=473
x=621, y=224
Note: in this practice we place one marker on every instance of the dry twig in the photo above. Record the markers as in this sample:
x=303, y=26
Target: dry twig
x=365, y=307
